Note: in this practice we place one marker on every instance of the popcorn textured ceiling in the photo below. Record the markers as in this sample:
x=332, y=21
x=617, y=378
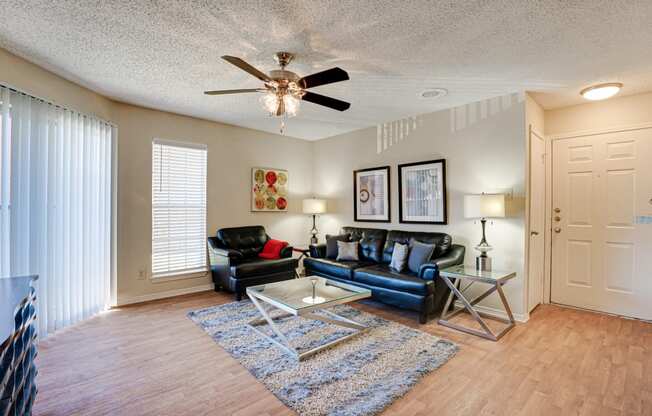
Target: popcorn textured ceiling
x=164, y=54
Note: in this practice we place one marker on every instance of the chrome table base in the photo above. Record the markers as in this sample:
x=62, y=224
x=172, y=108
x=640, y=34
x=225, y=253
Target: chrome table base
x=281, y=340
x=477, y=315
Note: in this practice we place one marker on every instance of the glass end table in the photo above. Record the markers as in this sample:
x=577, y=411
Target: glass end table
x=453, y=277
x=302, y=297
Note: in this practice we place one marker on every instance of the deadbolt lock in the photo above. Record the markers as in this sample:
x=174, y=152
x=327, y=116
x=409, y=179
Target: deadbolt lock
x=557, y=218
x=557, y=210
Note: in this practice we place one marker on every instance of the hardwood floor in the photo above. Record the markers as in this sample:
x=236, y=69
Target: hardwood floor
x=149, y=359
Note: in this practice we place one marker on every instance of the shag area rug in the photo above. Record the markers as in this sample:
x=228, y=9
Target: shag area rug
x=360, y=376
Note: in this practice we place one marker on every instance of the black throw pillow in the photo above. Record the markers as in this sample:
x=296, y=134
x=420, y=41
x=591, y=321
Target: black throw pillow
x=420, y=254
x=331, y=244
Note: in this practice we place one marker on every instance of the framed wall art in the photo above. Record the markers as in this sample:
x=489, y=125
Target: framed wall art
x=422, y=192
x=269, y=190
x=371, y=195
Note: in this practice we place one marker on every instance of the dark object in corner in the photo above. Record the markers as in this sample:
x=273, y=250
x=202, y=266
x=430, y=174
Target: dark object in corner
x=17, y=345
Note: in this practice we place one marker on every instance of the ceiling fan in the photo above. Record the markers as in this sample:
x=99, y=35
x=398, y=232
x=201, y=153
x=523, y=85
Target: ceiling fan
x=284, y=90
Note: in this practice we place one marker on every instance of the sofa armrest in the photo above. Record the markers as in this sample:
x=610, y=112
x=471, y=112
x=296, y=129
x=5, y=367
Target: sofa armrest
x=453, y=257
x=214, y=250
x=318, y=251
x=286, y=252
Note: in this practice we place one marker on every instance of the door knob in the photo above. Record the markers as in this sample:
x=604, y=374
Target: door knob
x=557, y=229
x=557, y=210
x=534, y=233
x=557, y=218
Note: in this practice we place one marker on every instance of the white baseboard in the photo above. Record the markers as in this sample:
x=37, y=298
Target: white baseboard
x=122, y=301
x=518, y=317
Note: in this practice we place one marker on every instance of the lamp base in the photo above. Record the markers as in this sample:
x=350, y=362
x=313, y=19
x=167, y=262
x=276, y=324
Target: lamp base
x=483, y=263
x=313, y=239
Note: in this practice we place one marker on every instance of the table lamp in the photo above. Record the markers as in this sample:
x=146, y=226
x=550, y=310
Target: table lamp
x=484, y=206
x=314, y=206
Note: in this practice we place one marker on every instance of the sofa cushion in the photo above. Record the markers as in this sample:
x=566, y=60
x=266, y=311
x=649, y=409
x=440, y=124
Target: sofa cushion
x=247, y=240
x=371, y=240
x=348, y=250
x=331, y=244
x=420, y=254
x=399, y=257
x=380, y=275
x=257, y=267
x=340, y=269
x=441, y=241
x=272, y=249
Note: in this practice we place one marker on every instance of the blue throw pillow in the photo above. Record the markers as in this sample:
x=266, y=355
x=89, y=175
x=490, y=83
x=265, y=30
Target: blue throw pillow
x=420, y=254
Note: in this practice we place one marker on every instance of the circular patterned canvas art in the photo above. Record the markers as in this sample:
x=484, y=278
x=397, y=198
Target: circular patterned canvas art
x=269, y=190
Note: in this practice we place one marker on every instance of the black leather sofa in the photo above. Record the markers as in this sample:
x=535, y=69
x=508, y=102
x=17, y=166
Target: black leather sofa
x=422, y=291
x=235, y=264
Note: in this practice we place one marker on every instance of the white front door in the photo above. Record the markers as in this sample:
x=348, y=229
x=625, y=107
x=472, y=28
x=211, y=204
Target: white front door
x=537, y=220
x=602, y=222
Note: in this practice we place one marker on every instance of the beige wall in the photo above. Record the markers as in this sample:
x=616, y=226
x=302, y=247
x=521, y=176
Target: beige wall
x=614, y=112
x=232, y=152
x=18, y=73
x=534, y=115
x=485, y=156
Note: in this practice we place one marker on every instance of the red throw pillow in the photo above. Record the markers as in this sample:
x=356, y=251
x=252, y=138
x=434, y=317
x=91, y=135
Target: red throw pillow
x=272, y=249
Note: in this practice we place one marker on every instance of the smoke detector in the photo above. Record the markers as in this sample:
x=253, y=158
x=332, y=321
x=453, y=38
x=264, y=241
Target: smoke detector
x=432, y=93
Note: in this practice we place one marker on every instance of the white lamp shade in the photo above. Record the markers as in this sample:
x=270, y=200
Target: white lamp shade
x=484, y=206
x=314, y=206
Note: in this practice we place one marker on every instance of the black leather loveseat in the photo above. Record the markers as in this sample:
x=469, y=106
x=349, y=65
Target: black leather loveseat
x=422, y=291
x=235, y=264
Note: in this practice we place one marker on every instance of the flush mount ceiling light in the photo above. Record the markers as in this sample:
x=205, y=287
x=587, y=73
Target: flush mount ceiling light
x=431, y=93
x=601, y=91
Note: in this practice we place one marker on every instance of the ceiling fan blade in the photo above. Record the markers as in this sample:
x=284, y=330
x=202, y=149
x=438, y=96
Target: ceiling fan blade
x=329, y=102
x=328, y=76
x=224, y=92
x=246, y=67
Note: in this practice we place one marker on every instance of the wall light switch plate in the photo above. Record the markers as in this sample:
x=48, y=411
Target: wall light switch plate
x=142, y=274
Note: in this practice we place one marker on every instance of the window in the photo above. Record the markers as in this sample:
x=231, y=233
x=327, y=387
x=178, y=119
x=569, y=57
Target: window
x=178, y=208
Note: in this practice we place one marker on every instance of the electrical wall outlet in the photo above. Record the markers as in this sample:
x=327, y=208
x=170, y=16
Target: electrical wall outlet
x=142, y=274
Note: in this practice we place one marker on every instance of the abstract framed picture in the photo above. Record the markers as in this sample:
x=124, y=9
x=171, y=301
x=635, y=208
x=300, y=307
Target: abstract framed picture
x=371, y=195
x=269, y=190
x=422, y=192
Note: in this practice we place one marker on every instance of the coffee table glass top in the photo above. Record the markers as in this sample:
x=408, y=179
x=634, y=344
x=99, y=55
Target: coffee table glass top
x=296, y=294
x=471, y=272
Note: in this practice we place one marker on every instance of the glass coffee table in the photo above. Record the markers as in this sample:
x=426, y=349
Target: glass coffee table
x=303, y=297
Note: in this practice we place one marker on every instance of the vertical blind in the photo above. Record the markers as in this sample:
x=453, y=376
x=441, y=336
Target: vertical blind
x=178, y=208
x=56, y=206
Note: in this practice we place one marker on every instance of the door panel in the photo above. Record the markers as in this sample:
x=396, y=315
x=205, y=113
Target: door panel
x=537, y=220
x=602, y=244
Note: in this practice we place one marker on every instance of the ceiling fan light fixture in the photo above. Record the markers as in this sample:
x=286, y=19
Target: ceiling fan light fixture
x=292, y=105
x=271, y=100
x=601, y=91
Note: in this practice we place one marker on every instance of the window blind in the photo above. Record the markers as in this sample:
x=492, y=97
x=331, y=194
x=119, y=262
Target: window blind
x=178, y=208
x=56, y=198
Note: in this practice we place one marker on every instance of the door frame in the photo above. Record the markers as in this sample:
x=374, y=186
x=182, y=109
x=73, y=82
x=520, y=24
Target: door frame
x=547, y=288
